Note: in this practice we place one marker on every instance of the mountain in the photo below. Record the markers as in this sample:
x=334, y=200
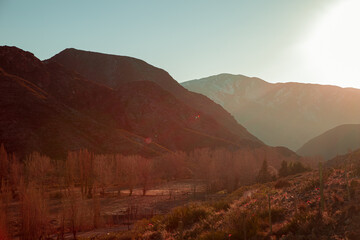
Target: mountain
x=350, y=159
x=336, y=141
x=52, y=109
x=113, y=71
x=281, y=114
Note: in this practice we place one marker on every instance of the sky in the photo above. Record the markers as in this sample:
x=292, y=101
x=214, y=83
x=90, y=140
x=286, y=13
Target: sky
x=311, y=41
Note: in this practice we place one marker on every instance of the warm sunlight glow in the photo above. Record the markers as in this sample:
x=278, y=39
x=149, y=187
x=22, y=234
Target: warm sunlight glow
x=332, y=49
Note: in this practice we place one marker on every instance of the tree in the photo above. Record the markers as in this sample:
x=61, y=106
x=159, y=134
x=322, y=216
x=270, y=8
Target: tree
x=283, y=171
x=4, y=165
x=130, y=177
x=264, y=174
x=80, y=167
x=16, y=174
x=297, y=167
x=287, y=169
x=104, y=169
x=34, y=213
x=144, y=170
x=38, y=168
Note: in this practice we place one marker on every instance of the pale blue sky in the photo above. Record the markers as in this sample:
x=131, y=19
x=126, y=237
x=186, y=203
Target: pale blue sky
x=188, y=38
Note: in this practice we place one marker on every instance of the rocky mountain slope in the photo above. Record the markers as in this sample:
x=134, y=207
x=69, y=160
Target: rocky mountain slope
x=52, y=109
x=282, y=114
x=336, y=141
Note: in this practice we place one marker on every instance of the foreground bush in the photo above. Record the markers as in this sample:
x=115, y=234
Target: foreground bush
x=184, y=217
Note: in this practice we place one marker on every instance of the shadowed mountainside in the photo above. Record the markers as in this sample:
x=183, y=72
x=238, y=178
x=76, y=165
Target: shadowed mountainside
x=51, y=109
x=281, y=114
x=336, y=141
x=113, y=71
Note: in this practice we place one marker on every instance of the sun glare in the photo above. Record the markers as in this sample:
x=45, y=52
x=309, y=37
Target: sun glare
x=332, y=50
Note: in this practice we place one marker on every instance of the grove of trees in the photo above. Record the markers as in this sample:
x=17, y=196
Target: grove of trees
x=76, y=183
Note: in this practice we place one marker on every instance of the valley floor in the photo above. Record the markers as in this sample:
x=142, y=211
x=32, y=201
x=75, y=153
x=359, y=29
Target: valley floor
x=244, y=214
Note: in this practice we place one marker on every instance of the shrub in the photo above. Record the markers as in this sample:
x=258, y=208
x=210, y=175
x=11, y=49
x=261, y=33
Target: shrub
x=238, y=193
x=188, y=215
x=282, y=183
x=221, y=205
x=242, y=222
x=310, y=185
x=301, y=223
x=277, y=214
x=354, y=185
x=213, y=235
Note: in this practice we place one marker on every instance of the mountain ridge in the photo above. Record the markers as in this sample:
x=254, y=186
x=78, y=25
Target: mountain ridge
x=87, y=63
x=335, y=141
x=147, y=117
x=281, y=114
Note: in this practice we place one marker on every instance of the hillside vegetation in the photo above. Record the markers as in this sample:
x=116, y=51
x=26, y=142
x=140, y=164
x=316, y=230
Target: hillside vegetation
x=296, y=211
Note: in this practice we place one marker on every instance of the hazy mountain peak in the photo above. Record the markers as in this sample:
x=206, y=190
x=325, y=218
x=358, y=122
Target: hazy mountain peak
x=281, y=114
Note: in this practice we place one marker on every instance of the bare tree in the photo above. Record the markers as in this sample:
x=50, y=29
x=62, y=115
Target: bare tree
x=38, y=168
x=144, y=168
x=4, y=203
x=4, y=165
x=104, y=170
x=16, y=175
x=86, y=167
x=118, y=176
x=80, y=169
x=34, y=213
x=129, y=172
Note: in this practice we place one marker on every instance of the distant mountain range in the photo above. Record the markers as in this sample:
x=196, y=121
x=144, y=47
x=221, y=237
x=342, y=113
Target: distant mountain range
x=108, y=104
x=336, y=141
x=281, y=114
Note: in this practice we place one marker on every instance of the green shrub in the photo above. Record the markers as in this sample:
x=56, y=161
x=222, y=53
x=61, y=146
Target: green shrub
x=221, y=205
x=310, y=185
x=277, y=214
x=238, y=193
x=187, y=215
x=282, y=183
x=301, y=223
x=243, y=222
x=354, y=185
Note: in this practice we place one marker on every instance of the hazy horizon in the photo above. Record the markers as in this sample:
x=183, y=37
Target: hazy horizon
x=297, y=41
